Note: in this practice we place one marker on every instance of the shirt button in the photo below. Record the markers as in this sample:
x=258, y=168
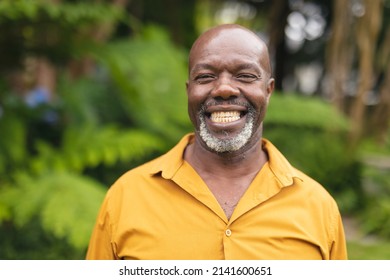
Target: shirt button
x=228, y=232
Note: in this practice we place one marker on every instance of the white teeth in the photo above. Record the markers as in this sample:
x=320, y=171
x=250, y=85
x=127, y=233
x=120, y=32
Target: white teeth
x=225, y=117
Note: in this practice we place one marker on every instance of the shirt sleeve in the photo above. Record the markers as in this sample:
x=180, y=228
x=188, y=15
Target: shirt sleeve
x=100, y=245
x=338, y=249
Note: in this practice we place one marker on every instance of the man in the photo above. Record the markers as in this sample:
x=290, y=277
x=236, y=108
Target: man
x=223, y=192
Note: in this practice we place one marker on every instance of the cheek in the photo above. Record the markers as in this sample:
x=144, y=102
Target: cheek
x=260, y=103
x=259, y=100
x=192, y=114
x=264, y=107
x=196, y=97
x=194, y=105
x=197, y=93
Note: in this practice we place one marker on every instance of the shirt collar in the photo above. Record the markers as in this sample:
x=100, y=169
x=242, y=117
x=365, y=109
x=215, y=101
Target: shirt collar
x=170, y=163
x=279, y=165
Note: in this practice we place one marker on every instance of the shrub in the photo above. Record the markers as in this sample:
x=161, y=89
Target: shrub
x=312, y=135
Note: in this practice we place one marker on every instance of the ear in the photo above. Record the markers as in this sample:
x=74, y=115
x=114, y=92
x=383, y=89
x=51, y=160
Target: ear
x=270, y=86
x=187, y=85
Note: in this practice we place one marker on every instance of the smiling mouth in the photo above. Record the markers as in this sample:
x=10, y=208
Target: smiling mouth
x=225, y=116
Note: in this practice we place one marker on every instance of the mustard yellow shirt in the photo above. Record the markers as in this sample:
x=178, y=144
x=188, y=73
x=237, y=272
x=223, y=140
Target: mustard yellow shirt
x=164, y=210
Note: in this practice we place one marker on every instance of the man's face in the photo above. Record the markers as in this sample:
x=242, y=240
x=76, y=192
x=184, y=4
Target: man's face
x=228, y=90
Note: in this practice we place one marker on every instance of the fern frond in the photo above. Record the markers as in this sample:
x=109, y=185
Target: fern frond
x=90, y=146
x=66, y=204
x=150, y=74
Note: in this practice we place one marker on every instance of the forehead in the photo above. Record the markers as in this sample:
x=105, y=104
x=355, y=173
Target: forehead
x=227, y=45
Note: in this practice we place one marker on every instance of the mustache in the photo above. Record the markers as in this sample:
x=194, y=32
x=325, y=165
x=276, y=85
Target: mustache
x=207, y=104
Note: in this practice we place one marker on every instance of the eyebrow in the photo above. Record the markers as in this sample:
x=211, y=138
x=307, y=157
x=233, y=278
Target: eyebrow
x=253, y=66
x=243, y=66
x=202, y=66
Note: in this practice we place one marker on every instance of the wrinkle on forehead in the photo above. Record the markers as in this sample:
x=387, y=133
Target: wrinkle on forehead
x=234, y=35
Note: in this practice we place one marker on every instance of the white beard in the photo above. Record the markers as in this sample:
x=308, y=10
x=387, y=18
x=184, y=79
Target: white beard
x=227, y=145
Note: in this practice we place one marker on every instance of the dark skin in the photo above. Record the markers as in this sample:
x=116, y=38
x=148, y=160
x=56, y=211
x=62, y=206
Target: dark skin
x=228, y=66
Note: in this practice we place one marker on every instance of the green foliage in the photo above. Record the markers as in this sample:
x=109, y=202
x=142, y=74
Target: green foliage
x=48, y=181
x=312, y=135
x=92, y=101
x=151, y=75
x=50, y=184
x=31, y=242
x=74, y=13
x=85, y=147
x=55, y=157
x=299, y=111
x=371, y=147
x=370, y=251
x=12, y=143
x=375, y=217
x=55, y=30
x=65, y=204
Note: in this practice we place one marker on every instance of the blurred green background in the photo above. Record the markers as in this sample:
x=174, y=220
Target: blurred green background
x=90, y=89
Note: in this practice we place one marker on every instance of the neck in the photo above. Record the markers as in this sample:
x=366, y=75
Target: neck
x=227, y=165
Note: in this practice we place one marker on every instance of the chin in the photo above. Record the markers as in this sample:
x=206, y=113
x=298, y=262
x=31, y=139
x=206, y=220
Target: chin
x=226, y=143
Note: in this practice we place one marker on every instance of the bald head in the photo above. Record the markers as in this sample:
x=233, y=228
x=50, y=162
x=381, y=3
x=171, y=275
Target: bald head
x=230, y=35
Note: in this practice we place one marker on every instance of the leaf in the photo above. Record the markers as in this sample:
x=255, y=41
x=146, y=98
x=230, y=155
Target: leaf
x=88, y=146
x=70, y=212
x=150, y=74
x=66, y=204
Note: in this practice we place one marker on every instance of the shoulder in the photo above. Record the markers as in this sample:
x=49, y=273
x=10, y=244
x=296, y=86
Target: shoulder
x=295, y=180
x=317, y=201
x=149, y=174
x=134, y=177
x=312, y=188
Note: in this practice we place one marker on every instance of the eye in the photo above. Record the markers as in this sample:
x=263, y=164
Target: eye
x=247, y=77
x=204, y=78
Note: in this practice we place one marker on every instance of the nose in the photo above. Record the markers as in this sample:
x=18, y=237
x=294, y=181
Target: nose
x=225, y=89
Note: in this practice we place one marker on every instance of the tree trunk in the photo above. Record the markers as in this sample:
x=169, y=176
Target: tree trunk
x=367, y=31
x=381, y=118
x=339, y=53
x=277, y=46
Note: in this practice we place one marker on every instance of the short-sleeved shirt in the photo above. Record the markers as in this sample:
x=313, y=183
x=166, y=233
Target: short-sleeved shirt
x=164, y=210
